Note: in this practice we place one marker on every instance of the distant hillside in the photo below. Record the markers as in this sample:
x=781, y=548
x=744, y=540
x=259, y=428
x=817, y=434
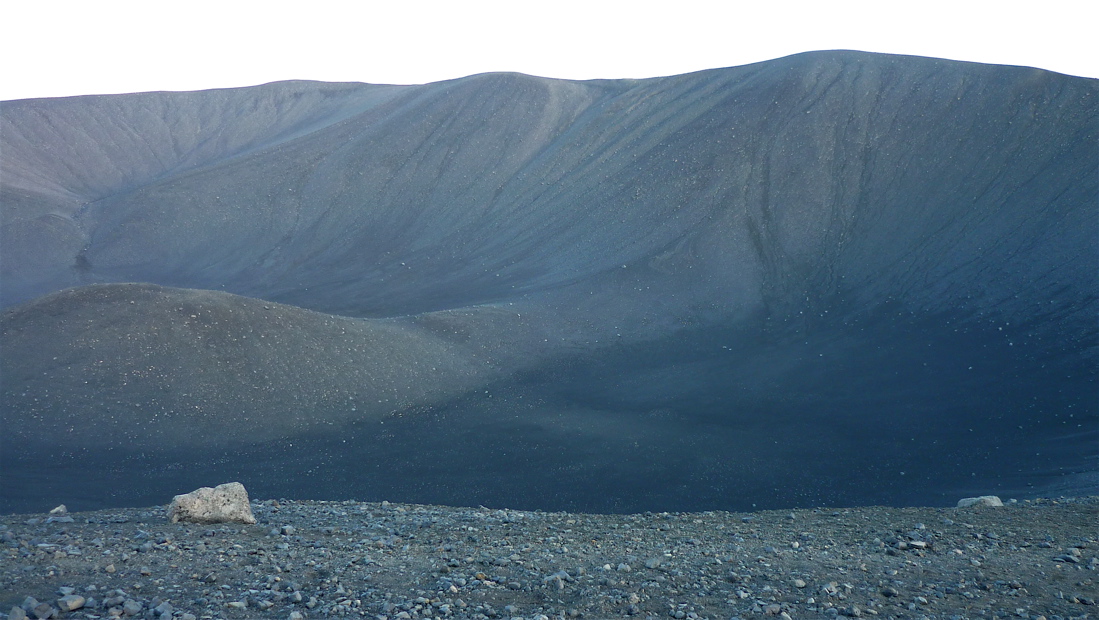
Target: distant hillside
x=778, y=284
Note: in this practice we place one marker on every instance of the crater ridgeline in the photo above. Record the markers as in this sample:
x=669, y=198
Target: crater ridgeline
x=833, y=278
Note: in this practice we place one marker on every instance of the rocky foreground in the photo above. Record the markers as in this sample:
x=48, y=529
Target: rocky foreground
x=311, y=559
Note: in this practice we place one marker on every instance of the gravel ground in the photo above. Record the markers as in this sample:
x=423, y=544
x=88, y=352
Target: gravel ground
x=313, y=559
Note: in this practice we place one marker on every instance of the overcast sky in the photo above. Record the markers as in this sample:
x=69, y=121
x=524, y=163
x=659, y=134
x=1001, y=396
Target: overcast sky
x=65, y=47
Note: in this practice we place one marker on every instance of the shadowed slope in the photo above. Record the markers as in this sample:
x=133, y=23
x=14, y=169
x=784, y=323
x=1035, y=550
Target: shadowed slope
x=679, y=292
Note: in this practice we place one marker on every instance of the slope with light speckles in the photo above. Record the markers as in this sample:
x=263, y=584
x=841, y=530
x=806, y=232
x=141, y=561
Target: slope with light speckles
x=830, y=278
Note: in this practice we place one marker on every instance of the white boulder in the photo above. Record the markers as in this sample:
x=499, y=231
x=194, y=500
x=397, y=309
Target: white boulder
x=984, y=500
x=226, y=503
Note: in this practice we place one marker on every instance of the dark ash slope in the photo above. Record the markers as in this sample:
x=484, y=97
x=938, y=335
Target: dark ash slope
x=831, y=278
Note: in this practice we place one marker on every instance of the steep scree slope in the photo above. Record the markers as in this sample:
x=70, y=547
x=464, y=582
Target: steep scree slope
x=830, y=278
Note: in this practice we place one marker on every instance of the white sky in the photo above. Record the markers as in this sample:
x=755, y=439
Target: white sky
x=52, y=48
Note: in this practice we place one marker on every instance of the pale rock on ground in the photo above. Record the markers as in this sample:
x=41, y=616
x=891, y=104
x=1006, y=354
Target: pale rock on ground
x=985, y=500
x=226, y=503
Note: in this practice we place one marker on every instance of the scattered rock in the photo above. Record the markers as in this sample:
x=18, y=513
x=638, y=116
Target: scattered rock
x=226, y=503
x=711, y=565
x=70, y=602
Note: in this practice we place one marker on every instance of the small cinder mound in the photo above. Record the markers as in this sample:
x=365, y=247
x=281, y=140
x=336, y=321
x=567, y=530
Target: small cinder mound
x=226, y=503
x=984, y=500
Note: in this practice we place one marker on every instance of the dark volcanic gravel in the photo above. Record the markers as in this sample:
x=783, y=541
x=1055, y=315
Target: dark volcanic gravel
x=307, y=559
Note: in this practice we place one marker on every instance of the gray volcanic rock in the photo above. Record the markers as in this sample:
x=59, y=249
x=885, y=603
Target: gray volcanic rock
x=310, y=559
x=684, y=292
